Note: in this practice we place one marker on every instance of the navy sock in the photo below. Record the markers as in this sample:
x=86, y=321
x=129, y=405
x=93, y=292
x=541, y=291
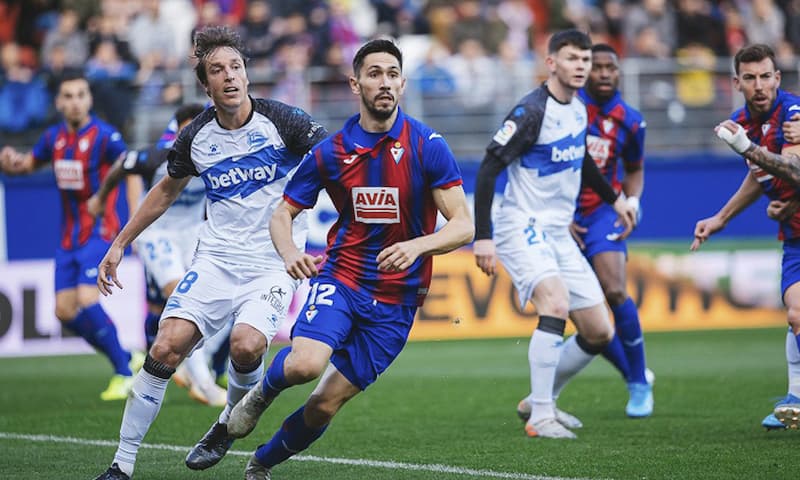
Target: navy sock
x=293, y=437
x=151, y=328
x=92, y=323
x=615, y=354
x=626, y=319
x=274, y=380
x=219, y=360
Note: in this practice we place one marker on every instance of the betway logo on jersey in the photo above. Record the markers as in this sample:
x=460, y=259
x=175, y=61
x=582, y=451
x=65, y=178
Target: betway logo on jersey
x=569, y=154
x=248, y=174
x=553, y=157
x=376, y=204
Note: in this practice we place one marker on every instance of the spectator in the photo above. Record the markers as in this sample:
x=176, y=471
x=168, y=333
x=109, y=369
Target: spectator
x=257, y=33
x=764, y=23
x=472, y=25
x=475, y=75
x=232, y=11
x=111, y=79
x=151, y=39
x=24, y=100
x=519, y=21
x=696, y=26
x=649, y=29
x=67, y=34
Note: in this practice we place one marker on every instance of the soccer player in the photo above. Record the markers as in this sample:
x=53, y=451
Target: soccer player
x=615, y=140
x=82, y=149
x=167, y=246
x=543, y=143
x=755, y=131
x=245, y=150
x=388, y=175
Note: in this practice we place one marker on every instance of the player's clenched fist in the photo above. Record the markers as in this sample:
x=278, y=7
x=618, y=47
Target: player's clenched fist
x=485, y=255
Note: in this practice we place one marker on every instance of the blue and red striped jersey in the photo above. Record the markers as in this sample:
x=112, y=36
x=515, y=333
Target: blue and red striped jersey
x=383, y=195
x=81, y=160
x=616, y=132
x=767, y=131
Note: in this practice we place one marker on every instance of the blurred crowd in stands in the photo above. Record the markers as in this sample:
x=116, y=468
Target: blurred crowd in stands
x=136, y=51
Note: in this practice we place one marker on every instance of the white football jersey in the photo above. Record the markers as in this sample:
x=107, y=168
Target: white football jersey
x=544, y=142
x=188, y=210
x=244, y=172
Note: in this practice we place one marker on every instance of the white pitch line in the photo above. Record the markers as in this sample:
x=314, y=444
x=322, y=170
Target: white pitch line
x=425, y=467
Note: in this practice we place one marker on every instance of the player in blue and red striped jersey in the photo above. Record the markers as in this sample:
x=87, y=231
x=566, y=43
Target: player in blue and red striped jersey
x=615, y=140
x=82, y=149
x=387, y=175
x=756, y=132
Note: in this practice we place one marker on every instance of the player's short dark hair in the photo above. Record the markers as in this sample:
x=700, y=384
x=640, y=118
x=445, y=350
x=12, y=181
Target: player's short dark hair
x=188, y=112
x=573, y=37
x=376, y=46
x=604, y=47
x=754, y=53
x=69, y=75
x=208, y=40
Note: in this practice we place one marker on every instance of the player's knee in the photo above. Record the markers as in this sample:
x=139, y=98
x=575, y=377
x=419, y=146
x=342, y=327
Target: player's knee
x=319, y=411
x=66, y=313
x=558, y=309
x=303, y=368
x=247, y=349
x=164, y=352
x=793, y=316
x=616, y=296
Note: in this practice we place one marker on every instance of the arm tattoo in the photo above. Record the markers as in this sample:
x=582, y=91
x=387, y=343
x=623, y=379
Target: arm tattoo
x=786, y=166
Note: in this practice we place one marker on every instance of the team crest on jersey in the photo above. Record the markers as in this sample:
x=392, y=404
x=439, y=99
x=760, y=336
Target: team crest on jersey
x=397, y=152
x=376, y=204
x=505, y=133
x=255, y=139
x=764, y=129
x=213, y=149
x=311, y=312
x=83, y=145
x=608, y=125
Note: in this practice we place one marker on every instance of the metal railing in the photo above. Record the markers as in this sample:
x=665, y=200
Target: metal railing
x=680, y=103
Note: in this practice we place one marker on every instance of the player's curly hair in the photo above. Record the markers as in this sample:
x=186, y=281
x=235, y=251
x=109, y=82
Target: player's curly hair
x=208, y=40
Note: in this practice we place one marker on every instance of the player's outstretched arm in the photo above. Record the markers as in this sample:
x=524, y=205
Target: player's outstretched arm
x=158, y=199
x=748, y=192
x=458, y=231
x=785, y=165
x=299, y=265
x=13, y=162
x=96, y=202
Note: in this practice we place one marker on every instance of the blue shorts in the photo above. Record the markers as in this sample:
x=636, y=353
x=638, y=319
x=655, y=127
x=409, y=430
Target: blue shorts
x=790, y=265
x=79, y=265
x=602, y=234
x=366, y=335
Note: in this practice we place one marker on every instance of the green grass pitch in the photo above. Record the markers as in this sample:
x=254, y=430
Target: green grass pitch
x=444, y=410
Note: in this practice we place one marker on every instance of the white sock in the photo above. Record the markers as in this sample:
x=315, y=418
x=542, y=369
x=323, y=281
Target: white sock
x=793, y=361
x=543, y=353
x=573, y=359
x=238, y=385
x=197, y=367
x=141, y=409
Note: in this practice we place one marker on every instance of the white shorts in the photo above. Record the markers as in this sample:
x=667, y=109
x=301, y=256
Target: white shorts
x=530, y=255
x=166, y=254
x=213, y=292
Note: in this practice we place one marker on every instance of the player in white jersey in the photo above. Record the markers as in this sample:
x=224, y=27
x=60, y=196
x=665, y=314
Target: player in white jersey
x=245, y=150
x=167, y=248
x=543, y=144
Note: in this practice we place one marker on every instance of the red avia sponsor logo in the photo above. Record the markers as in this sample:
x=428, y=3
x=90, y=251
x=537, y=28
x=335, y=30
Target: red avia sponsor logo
x=376, y=204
